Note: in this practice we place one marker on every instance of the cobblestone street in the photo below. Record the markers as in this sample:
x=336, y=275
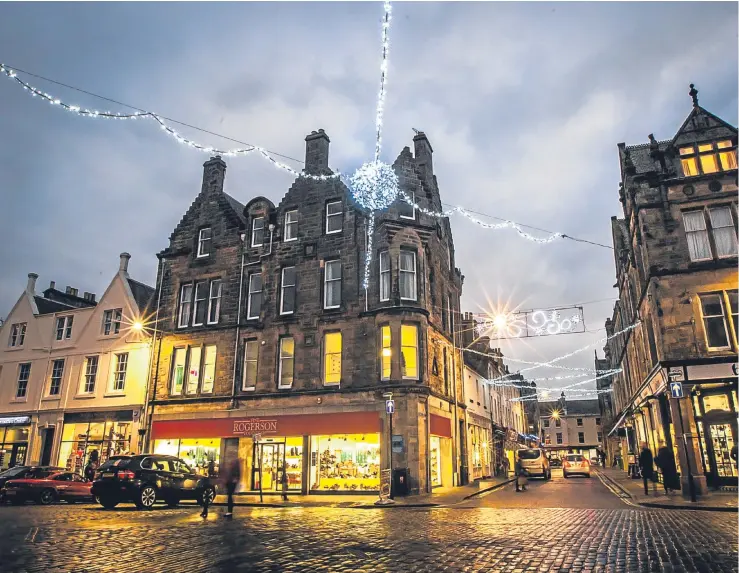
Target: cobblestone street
x=85, y=538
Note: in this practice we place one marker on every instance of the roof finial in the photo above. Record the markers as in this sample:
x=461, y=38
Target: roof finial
x=694, y=94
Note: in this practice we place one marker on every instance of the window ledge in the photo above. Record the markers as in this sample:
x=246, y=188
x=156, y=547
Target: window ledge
x=114, y=394
x=51, y=398
x=19, y=400
x=84, y=396
x=14, y=348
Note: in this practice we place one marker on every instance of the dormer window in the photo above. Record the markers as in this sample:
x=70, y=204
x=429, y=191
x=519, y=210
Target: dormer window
x=257, y=232
x=64, y=327
x=707, y=158
x=112, y=321
x=17, y=334
x=205, y=242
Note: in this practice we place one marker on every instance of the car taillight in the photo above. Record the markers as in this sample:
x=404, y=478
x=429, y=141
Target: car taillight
x=126, y=474
x=566, y=464
x=586, y=463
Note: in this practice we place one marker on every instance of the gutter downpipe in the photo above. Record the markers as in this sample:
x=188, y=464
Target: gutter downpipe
x=148, y=403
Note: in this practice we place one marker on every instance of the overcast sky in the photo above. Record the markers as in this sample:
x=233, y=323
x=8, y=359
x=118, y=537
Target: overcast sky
x=523, y=103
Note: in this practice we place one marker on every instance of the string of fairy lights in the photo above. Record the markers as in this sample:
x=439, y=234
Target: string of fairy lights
x=374, y=186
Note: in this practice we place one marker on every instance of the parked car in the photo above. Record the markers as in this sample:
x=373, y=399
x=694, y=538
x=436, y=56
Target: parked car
x=555, y=462
x=575, y=464
x=66, y=486
x=147, y=478
x=20, y=472
x=594, y=462
x=535, y=462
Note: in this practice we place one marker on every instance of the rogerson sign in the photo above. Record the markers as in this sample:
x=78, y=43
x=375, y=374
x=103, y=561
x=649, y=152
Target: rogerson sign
x=254, y=426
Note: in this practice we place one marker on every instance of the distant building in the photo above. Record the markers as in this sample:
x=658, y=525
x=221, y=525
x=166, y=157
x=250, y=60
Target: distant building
x=676, y=272
x=571, y=426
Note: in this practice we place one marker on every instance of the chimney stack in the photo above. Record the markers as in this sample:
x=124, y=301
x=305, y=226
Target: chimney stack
x=125, y=257
x=52, y=284
x=31, y=286
x=316, y=152
x=214, y=174
x=71, y=291
x=423, y=153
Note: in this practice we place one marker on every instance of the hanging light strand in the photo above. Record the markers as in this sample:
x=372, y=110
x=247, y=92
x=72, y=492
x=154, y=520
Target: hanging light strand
x=380, y=112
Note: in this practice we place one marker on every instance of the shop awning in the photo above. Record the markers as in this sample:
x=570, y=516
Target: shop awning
x=619, y=422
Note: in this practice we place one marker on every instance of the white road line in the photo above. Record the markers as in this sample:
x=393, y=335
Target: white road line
x=31, y=535
x=618, y=494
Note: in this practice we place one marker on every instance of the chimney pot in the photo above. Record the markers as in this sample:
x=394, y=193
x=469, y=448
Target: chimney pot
x=214, y=174
x=125, y=257
x=31, y=287
x=316, y=152
x=52, y=284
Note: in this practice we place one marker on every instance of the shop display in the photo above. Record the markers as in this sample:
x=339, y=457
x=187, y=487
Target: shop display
x=345, y=462
x=80, y=439
x=435, y=461
x=276, y=454
x=198, y=454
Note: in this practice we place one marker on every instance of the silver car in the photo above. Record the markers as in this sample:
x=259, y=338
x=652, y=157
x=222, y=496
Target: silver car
x=535, y=462
x=575, y=464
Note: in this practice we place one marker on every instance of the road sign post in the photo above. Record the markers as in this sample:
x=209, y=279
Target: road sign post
x=691, y=484
x=386, y=476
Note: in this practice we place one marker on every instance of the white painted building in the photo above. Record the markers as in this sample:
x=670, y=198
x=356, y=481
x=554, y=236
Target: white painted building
x=73, y=372
x=572, y=426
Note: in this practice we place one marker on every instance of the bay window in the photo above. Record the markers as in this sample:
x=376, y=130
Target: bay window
x=407, y=277
x=384, y=276
x=409, y=351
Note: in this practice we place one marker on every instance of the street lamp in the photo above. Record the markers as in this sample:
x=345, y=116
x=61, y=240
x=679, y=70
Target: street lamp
x=390, y=408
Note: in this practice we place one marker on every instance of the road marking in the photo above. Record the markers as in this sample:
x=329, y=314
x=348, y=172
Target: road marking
x=31, y=535
x=618, y=494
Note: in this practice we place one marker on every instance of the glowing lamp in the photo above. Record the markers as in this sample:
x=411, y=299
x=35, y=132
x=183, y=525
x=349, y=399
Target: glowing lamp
x=137, y=326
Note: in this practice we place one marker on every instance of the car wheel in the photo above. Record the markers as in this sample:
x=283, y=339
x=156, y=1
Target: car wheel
x=146, y=498
x=209, y=493
x=107, y=502
x=47, y=497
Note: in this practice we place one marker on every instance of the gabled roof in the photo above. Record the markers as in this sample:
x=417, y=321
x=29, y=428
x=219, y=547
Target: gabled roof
x=142, y=294
x=582, y=407
x=46, y=306
x=701, y=125
x=237, y=206
x=232, y=209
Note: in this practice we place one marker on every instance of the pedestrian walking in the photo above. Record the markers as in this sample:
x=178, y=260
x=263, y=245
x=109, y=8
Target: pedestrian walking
x=92, y=465
x=506, y=466
x=665, y=461
x=646, y=465
x=232, y=478
x=207, y=485
x=602, y=458
x=521, y=476
x=283, y=482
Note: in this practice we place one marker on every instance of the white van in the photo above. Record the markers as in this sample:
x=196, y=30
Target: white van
x=535, y=462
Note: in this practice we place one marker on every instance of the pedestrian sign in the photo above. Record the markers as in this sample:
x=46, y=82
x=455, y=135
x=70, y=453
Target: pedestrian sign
x=390, y=406
x=677, y=389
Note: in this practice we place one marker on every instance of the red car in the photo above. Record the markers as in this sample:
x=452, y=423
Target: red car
x=57, y=486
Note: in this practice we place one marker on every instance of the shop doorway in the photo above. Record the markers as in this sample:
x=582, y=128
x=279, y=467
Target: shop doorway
x=48, y=445
x=270, y=458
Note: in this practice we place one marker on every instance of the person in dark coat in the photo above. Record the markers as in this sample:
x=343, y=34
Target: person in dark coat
x=646, y=465
x=92, y=465
x=665, y=461
x=521, y=476
x=284, y=483
x=232, y=478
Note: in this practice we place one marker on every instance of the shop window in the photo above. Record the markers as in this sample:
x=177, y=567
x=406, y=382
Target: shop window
x=271, y=457
x=199, y=304
x=287, y=362
x=64, y=327
x=183, y=316
x=384, y=276
x=90, y=374
x=334, y=217
x=209, y=369
x=13, y=446
x=257, y=232
x=17, y=334
x=714, y=321
x=407, y=269
x=199, y=454
x=214, y=301
x=386, y=354
x=57, y=372
x=332, y=285
x=409, y=351
x=724, y=231
x=581, y=437
x=24, y=373
x=254, y=302
x=559, y=437
x=345, y=462
x=112, y=321
x=332, y=358
x=251, y=356
x=287, y=291
x=205, y=242
x=291, y=226
x=79, y=440
x=716, y=402
x=435, y=461
x=119, y=373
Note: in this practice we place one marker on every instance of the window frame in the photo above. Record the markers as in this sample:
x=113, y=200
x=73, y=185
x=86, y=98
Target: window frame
x=185, y=303
x=404, y=204
x=246, y=360
x=119, y=373
x=326, y=284
x=325, y=357
x=417, y=348
x=64, y=327
x=56, y=378
x=404, y=273
x=217, y=300
x=581, y=437
x=339, y=214
x=693, y=153
x=280, y=363
x=255, y=229
x=196, y=301
x=92, y=359
x=284, y=287
x=17, y=331
x=580, y=422
x=205, y=244
x=704, y=230
x=288, y=226
x=383, y=358
x=112, y=319
x=385, y=275
x=709, y=222
x=208, y=350
x=251, y=293
x=559, y=439
x=722, y=302
x=23, y=366
x=733, y=316
x=173, y=369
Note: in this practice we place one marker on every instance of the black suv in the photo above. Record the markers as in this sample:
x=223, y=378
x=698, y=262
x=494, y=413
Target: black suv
x=147, y=478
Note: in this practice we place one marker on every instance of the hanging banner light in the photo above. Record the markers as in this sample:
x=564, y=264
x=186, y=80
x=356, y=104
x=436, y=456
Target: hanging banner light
x=530, y=323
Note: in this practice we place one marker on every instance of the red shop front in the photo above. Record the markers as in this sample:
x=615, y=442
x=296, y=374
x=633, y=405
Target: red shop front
x=319, y=453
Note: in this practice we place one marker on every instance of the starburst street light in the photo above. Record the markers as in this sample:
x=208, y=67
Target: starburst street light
x=555, y=414
x=137, y=326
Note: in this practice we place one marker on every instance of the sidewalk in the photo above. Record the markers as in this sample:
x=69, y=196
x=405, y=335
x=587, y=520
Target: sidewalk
x=633, y=489
x=440, y=497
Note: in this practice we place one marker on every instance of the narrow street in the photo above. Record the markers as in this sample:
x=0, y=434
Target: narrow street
x=561, y=525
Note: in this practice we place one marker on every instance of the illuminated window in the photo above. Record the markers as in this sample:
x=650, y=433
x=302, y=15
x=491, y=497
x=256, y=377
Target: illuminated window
x=205, y=241
x=714, y=321
x=178, y=370
x=332, y=284
x=384, y=276
x=193, y=370
x=697, y=235
x=409, y=351
x=209, y=369
x=291, y=226
x=254, y=302
x=708, y=158
x=689, y=163
x=332, y=358
x=728, y=156
x=251, y=357
x=287, y=362
x=386, y=353
x=257, y=232
x=732, y=296
x=724, y=231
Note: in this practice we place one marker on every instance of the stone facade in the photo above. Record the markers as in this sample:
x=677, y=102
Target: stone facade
x=291, y=247
x=670, y=253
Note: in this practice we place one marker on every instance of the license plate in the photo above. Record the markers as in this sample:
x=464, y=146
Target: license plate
x=9, y=492
x=108, y=474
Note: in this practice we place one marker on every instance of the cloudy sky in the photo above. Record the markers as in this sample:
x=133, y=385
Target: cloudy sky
x=523, y=103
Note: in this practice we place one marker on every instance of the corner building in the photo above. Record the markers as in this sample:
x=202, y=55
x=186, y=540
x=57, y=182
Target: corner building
x=271, y=350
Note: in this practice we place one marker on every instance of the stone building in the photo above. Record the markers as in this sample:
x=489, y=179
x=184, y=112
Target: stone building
x=604, y=384
x=572, y=426
x=271, y=350
x=676, y=271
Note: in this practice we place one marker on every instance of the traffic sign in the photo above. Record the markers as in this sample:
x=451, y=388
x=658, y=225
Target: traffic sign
x=677, y=389
x=390, y=406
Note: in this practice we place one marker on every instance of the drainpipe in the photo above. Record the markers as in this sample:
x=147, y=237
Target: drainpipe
x=147, y=403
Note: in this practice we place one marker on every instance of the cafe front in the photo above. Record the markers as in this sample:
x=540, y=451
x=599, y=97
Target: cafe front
x=14, y=433
x=319, y=453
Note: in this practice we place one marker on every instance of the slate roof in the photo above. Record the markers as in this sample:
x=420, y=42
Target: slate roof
x=574, y=407
x=641, y=158
x=46, y=306
x=142, y=294
x=236, y=206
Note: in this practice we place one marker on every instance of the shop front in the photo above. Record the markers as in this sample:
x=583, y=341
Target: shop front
x=715, y=411
x=14, y=432
x=319, y=453
x=440, y=451
x=108, y=433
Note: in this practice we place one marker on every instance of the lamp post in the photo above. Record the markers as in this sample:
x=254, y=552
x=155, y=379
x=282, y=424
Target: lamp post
x=390, y=408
